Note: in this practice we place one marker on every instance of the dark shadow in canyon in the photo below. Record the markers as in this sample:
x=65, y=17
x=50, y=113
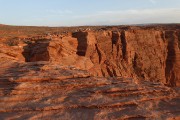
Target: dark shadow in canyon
x=82, y=42
x=170, y=60
x=36, y=51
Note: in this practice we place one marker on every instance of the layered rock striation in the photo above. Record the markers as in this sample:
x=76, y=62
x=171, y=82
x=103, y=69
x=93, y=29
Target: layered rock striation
x=142, y=54
x=42, y=90
x=100, y=74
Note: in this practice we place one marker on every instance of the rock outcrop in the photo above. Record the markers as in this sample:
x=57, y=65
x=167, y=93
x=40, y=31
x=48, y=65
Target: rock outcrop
x=11, y=53
x=101, y=74
x=42, y=90
x=152, y=55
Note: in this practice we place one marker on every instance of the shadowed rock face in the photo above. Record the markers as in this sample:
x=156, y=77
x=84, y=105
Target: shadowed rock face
x=141, y=54
x=104, y=74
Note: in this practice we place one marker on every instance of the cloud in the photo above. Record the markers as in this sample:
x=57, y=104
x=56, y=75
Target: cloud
x=153, y=1
x=118, y=17
x=133, y=16
x=57, y=11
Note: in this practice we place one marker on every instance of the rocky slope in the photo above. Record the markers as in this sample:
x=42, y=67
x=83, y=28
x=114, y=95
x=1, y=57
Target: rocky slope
x=105, y=73
x=42, y=90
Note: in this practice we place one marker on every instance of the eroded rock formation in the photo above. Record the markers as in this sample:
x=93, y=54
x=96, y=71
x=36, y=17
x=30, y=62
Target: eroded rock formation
x=105, y=74
x=142, y=54
x=42, y=90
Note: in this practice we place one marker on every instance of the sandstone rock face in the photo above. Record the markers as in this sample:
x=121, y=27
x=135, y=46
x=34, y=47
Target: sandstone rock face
x=11, y=53
x=142, y=54
x=42, y=90
x=106, y=74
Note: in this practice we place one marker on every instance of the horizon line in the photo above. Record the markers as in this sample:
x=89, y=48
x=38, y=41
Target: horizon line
x=1, y=24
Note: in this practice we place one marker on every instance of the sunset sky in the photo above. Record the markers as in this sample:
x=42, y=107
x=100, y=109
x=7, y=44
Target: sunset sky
x=88, y=12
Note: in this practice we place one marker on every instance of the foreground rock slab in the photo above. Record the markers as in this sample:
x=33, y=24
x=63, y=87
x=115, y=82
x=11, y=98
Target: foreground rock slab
x=42, y=90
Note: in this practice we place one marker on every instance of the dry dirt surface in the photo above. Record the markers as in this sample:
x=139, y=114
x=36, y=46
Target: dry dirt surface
x=90, y=73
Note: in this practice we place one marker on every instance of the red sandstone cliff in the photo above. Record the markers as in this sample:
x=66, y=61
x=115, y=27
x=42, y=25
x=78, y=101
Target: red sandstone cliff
x=108, y=73
x=151, y=55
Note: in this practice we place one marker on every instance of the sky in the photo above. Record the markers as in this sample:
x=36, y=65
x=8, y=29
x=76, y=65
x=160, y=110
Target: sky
x=88, y=12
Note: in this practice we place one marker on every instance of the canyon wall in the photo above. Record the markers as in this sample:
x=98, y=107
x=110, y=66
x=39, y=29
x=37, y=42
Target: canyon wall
x=111, y=73
x=151, y=55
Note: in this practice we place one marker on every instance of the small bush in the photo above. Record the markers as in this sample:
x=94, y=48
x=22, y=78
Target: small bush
x=12, y=42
